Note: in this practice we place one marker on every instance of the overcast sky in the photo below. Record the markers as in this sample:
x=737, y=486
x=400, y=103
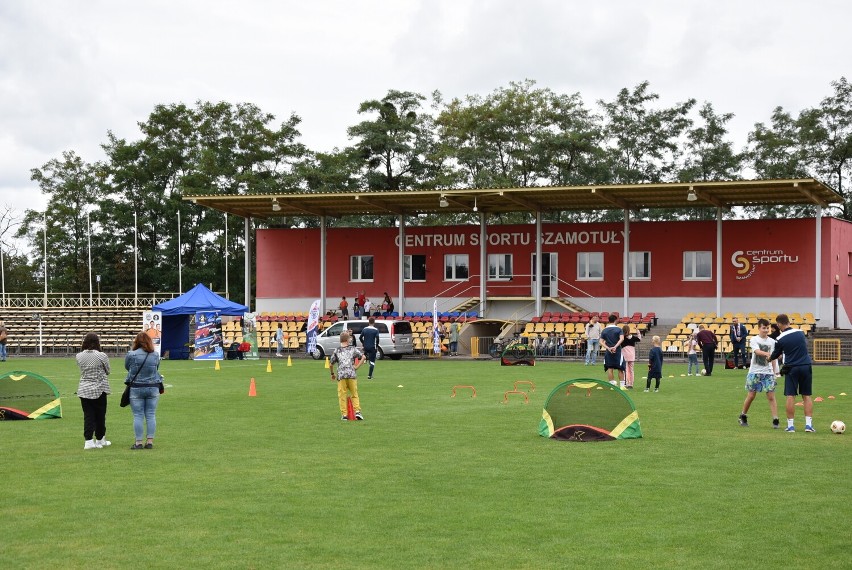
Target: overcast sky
x=71, y=70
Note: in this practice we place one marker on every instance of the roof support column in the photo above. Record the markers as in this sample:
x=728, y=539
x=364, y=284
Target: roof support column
x=818, y=264
x=625, y=266
x=538, y=263
x=401, y=290
x=323, y=241
x=718, y=275
x=247, y=264
x=483, y=264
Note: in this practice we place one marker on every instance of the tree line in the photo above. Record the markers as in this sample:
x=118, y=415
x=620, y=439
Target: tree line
x=518, y=135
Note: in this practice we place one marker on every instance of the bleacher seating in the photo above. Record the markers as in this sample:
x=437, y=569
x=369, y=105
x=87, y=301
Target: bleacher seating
x=720, y=325
x=63, y=329
x=573, y=326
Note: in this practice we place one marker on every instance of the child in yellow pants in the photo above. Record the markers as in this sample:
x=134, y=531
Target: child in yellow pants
x=348, y=359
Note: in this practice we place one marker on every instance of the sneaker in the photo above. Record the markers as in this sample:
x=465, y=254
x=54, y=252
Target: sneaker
x=358, y=416
x=149, y=445
x=137, y=446
x=743, y=420
x=344, y=418
x=369, y=377
x=91, y=444
x=810, y=429
x=646, y=390
x=775, y=423
x=656, y=389
x=689, y=374
x=790, y=429
x=103, y=442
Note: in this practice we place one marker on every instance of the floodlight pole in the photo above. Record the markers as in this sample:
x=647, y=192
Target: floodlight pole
x=180, y=268
x=45, y=271
x=226, y=256
x=89, y=227
x=135, y=261
x=625, y=267
x=818, y=269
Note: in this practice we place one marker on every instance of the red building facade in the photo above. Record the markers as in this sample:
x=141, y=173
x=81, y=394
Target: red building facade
x=674, y=267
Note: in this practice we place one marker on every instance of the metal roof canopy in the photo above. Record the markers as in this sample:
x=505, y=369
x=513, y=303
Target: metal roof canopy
x=724, y=194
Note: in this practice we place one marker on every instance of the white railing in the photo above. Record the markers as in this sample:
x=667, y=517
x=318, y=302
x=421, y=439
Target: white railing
x=82, y=300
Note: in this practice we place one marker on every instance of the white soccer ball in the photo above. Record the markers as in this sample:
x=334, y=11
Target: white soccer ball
x=703, y=371
x=838, y=427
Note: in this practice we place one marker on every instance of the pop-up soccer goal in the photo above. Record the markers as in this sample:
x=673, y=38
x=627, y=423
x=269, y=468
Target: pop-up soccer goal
x=28, y=396
x=589, y=410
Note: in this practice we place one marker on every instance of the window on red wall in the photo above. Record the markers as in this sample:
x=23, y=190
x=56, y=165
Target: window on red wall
x=590, y=266
x=697, y=265
x=639, y=265
x=849, y=261
x=414, y=267
x=361, y=268
x=456, y=267
x=500, y=266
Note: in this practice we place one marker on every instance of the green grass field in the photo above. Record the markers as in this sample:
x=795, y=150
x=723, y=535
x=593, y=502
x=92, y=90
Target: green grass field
x=427, y=481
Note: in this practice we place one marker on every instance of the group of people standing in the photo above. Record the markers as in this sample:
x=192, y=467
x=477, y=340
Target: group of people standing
x=145, y=383
x=363, y=307
x=774, y=343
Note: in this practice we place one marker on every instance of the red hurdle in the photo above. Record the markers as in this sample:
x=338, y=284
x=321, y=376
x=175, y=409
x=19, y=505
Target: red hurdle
x=506, y=396
x=528, y=382
x=461, y=386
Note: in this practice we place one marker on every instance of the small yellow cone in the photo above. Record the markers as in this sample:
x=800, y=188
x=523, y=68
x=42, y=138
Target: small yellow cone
x=217, y=366
x=269, y=366
x=327, y=365
x=289, y=361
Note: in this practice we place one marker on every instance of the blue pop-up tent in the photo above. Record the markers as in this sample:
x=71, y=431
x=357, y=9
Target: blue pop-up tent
x=177, y=311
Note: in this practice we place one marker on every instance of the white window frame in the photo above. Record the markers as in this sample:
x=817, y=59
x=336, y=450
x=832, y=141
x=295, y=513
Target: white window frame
x=583, y=265
x=498, y=261
x=360, y=266
x=639, y=258
x=450, y=262
x=692, y=257
x=407, y=263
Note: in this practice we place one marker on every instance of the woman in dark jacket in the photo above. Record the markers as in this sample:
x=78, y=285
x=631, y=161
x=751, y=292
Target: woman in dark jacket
x=142, y=365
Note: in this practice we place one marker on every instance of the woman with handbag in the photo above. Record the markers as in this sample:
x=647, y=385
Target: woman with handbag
x=93, y=390
x=145, y=382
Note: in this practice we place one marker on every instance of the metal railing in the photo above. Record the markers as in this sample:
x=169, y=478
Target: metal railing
x=82, y=300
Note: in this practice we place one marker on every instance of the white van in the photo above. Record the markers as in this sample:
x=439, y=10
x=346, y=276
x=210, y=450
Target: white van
x=394, y=338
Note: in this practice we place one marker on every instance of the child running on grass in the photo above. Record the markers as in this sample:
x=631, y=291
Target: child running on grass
x=655, y=364
x=348, y=358
x=761, y=376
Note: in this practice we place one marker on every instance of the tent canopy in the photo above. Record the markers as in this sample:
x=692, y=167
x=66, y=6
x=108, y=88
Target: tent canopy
x=199, y=298
x=176, y=312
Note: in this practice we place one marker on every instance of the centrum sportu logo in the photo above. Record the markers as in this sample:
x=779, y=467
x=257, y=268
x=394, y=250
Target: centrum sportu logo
x=746, y=262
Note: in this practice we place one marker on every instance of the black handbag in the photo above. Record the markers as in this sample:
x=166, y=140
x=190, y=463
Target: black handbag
x=125, y=396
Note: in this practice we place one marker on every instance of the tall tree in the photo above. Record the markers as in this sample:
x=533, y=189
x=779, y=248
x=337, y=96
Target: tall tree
x=393, y=143
x=642, y=143
x=775, y=152
x=70, y=185
x=826, y=137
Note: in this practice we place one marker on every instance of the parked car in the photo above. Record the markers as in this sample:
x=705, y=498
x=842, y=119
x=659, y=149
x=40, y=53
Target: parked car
x=394, y=338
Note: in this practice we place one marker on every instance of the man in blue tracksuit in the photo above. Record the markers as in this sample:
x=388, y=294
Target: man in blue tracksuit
x=370, y=341
x=798, y=376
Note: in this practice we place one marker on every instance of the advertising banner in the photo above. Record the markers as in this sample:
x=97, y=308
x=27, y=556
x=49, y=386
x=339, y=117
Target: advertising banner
x=208, y=336
x=250, y=335
x=313, y=327
x=152, y=325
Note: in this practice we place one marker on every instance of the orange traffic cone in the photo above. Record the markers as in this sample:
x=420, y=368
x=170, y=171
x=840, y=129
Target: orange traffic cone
x=350, y=411
x=252, y=388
